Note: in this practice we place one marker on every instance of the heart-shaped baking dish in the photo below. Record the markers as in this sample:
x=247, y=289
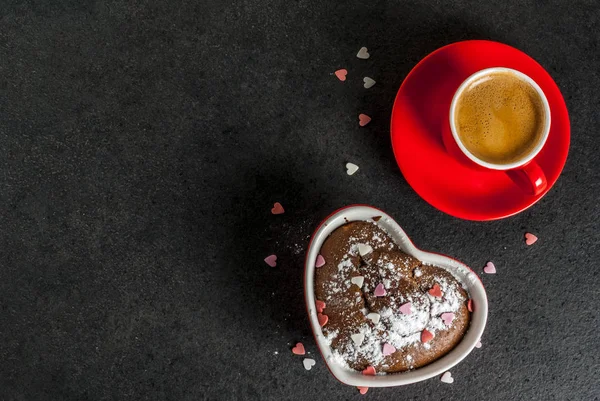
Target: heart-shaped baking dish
x=463, y=273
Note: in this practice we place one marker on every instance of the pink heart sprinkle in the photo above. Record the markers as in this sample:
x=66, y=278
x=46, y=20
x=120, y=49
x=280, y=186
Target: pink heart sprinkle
x=299, y=349
x=405, y=309
x=388, y=349
x=341, y=74
x=530, y=239
x=380, y=290
x=478, y=344
x=489, y=268
x=271, y=260
x=363, y=390
x=320, y=305
x=448, y=317
x=320, y=261
x=277, y=208
x=363, y=119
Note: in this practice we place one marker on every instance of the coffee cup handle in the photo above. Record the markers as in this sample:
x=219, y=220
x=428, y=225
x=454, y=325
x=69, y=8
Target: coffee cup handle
x=530, y=178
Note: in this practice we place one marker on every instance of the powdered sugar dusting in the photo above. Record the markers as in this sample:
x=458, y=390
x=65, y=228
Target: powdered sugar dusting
x=387, y=324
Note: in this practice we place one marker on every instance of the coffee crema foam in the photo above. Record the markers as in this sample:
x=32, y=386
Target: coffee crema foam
x=500, y=118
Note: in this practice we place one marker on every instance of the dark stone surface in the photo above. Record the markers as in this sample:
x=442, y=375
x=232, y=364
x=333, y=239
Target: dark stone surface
x=143, y=144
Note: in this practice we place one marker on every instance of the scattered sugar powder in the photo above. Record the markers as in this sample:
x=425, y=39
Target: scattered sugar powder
x=345, y=265
x=330, y=336
x=450, y=301
x=398, y=329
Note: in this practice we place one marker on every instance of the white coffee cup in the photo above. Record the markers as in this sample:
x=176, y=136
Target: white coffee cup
x=525, y=171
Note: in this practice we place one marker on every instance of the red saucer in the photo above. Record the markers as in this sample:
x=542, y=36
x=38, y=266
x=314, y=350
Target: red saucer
x=421, y=110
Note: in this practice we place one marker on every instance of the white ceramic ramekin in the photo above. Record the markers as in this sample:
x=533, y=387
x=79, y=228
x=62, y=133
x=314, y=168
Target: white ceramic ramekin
x=458, y=269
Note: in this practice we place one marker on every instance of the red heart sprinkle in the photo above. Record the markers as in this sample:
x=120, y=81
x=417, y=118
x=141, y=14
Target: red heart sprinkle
x=426, y=336
x=277, y=208
x=369, y=371
x=341, y=74
x=320, y=305
x=363, y=390
x=363, y=119
x=436, y=291
x=323, y=319
x=299, y=349
x=470, y=305
x=530, y=238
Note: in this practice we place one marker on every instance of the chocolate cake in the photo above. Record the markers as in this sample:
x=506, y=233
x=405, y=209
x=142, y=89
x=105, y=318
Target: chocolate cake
x=384, y=308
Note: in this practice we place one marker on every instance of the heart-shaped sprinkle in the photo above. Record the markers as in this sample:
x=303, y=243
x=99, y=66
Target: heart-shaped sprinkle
x=363, y=390
x=374, y=317
x=364, y=249
x=470, y=305
x=388, y=349
x=299, y=349
x=363, y=53
x=320, y=305
x=308, y=363
x=369, y=371
x=358, y=280
x=351, y=168
x=363, y=119
x=277, y=208
x=358, y=338
x=406, y=309
x=478, y=344
x=320, y=261
x=426, y=336
x=435, y=291
x=447, y=317
x=323, y=319
x=380, y=290
x=341, y=74
x=447, y=378
x=489, y=268
x=530, y=238
x=369, y=82
x=271, y=260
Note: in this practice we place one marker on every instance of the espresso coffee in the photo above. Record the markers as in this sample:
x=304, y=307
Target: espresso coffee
x=499, y=118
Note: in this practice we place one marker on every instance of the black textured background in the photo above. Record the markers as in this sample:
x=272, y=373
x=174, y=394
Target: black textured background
x=143, y=144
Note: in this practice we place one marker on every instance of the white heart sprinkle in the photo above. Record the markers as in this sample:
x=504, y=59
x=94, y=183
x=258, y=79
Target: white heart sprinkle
x=308, y=363
x=447, y=378
x=358, y=338
x=363, y=53
x=369, y=82
x=351, y=168
x=358, y=280
x=364, y=249
x=374, y=317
